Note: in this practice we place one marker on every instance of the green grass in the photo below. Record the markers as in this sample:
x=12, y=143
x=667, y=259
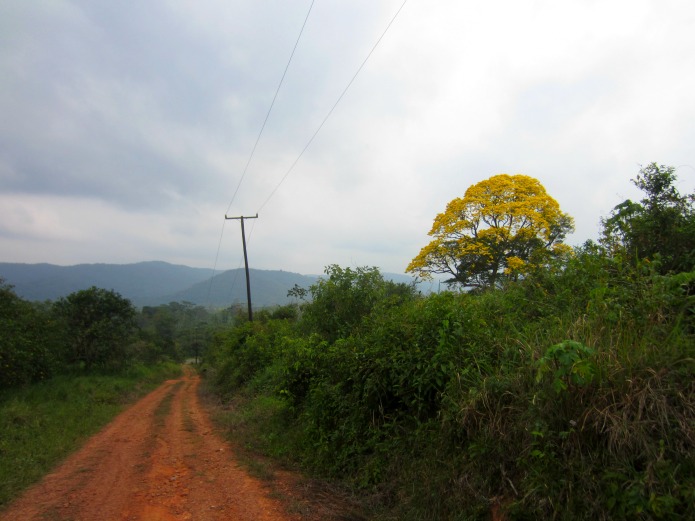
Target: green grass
x=43, y=423
x=257, y=424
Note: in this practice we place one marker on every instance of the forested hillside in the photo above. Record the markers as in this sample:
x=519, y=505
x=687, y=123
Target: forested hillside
x=141, y=283
x=153, y=283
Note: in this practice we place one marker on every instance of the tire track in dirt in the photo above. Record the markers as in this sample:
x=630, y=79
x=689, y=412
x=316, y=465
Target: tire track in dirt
x=160, y=460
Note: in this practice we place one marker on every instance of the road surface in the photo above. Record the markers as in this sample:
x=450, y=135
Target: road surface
x=160, y=460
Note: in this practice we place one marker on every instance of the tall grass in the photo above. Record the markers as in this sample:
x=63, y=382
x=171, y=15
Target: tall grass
x=42, y=423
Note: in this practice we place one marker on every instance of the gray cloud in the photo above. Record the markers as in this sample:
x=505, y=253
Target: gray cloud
x=127, y=125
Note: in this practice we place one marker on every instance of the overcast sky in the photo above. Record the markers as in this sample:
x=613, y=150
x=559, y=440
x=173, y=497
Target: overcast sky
x=125, y=126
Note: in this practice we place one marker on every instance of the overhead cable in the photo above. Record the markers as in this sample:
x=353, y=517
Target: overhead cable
x=289, y=170
x=272, y=103
x=258, y=138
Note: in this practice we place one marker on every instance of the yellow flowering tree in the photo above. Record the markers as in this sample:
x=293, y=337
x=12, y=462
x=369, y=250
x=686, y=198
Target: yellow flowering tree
x=499, y=229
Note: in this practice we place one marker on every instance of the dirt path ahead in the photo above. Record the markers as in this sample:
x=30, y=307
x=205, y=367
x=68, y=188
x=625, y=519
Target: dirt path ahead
x=158, y=461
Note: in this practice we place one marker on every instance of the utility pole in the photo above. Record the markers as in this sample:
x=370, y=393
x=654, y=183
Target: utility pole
x=246, y=261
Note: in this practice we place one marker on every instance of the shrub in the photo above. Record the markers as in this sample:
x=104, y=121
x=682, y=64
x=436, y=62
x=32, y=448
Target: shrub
x=30, y=343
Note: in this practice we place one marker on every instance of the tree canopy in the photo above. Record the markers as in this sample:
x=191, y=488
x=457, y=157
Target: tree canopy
x=29, y=350
x=500, y=228
x=100, y=324
x=341, y=300
x=662, y=224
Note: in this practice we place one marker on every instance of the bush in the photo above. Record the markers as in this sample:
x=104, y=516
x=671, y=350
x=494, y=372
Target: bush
x=340, y=302
x=99, y=325
x=30, y=343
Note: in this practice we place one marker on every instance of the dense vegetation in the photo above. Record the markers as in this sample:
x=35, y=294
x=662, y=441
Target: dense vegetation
x=94, y=331
x=564, y=393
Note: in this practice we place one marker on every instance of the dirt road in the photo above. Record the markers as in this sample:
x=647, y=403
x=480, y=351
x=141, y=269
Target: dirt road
x=158, y=461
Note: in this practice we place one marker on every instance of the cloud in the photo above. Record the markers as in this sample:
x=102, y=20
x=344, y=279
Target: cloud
x=127, y=126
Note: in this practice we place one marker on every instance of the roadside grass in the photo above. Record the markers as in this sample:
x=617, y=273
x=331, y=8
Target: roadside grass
x=265, y=444
x=43, y=423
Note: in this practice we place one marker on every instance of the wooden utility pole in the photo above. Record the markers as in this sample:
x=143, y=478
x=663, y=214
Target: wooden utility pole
x=246, y=261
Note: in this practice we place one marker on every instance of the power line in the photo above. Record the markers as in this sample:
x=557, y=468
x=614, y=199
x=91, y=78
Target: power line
x=258, y=138
x=272, y=103
x=214, y=268
x=323, y=122
x=289, y=170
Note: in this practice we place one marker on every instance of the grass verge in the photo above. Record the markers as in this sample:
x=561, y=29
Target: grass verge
x=43, y=423
x=252, y=423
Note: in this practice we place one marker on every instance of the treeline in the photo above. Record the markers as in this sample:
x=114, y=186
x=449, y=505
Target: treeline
x=567, y=392
x=94, y=330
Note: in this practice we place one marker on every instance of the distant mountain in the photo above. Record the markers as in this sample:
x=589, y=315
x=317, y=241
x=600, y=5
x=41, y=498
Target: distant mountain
x=137, y=282
x=155, y=283
x=268, y=288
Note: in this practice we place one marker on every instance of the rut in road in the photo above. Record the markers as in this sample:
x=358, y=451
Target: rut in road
x=158, y=461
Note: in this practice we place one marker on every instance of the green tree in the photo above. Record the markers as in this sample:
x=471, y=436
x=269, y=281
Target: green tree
x=502, y=227
x=340, y=302
x=662, y=223
x=158, y=326
x=29, y=343
x=100, y=325
x=172, y=331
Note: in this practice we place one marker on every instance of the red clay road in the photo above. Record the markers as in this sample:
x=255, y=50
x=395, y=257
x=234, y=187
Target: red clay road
x=160, y=460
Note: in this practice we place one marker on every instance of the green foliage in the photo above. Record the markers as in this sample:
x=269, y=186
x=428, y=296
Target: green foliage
x=99, y=325
x=660, y=228
x=245, y=351
x=174, y=331
x=30, y=348
x=569, y=364
x=93, y=330
x=340, y=302
x=568, y=395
